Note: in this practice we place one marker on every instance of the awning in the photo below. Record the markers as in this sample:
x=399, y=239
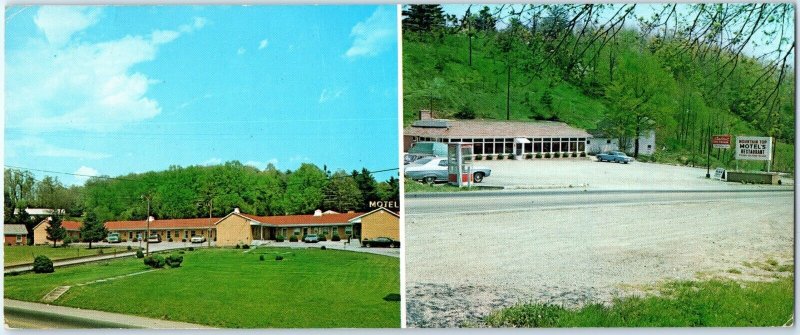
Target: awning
x=521, y=140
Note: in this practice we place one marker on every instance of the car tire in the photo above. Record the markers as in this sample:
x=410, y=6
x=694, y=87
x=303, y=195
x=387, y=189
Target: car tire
x=429, y=180
x=478, y=177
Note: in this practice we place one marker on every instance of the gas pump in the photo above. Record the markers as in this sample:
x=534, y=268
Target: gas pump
x=459, y=164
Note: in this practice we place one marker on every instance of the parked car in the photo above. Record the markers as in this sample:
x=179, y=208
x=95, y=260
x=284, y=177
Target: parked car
x=381, y=242
x=425, y=149
x=311, y=238
x=154, y=238
x=113, y=238
x=614, y=156
x=198, y=239
x=433, y=169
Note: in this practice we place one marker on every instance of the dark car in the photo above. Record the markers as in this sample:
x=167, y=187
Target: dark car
x=380, y=242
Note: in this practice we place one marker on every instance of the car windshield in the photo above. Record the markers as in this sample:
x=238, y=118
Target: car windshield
x=422, y=161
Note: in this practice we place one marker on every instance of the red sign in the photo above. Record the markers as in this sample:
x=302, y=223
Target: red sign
x=721, y=141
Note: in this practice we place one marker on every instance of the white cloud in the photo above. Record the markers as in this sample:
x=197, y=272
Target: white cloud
x=85, y=172
x=212, y=161
x=241, y=51
x=59, y=23
x=35, y=146
x=263, y=44
x=328, y=95
x=374, y=35
x=85, y=86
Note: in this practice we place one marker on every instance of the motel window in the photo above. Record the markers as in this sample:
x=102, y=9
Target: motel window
x=169, y=234
x=325, y=230
x=348, y=230
x=130, y=235
x=185, y=234
x=193, y=233
x=297, y=231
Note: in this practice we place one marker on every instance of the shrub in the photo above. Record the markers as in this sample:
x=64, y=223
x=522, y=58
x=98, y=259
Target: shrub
x=336, y=237
x=529, y=156
x=279, y=238
x=67, y=241
x=279, y=258
x=124, y=240
x=500, y=157
x=169, y=239
x=293, y=238
x=583, y=154
x=261, y=257
x=139, y=254
x=237, y=246
x=322, y=247
x=465, y=112
x=574, y=154
x=538, y=155
x=489, y=157
x=42, y=264
x=100, y=252
x=546, y=155
x=190, y=249
x=323, y=238
x=130, y=248
x=478, y=157
x=183, y=240
x=155, y=261
x=174, y=261
x=181, y=252
x=246, y=246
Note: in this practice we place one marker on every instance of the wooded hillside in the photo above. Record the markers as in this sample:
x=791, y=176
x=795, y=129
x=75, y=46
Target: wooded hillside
x=687, y=72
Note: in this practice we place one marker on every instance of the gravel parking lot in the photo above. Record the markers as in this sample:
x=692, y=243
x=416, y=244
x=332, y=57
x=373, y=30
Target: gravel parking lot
x=588, y=173
x=462, y=266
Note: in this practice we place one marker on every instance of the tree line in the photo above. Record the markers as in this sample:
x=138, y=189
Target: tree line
x=687, y=71
x=196, y=191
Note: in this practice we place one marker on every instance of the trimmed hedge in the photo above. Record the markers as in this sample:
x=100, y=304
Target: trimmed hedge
x=42, y=264
x=279, y=258
x=139, y=253
x=336, y=238
x=293, y=238
x=174, y=261
x=279, y=238
x=155, y=261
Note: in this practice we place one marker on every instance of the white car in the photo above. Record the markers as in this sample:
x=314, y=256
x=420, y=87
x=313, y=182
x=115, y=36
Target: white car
x=198, y=239
x=433, y=169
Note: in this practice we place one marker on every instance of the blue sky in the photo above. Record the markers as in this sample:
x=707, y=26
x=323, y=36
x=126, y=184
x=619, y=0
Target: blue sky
x=114, y=90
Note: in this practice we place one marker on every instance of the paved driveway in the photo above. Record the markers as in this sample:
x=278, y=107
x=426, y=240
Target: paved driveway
x=590, y=174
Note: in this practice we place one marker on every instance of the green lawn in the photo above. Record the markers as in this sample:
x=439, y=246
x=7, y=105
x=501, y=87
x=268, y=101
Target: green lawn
x=21, y=254
x=412, y=186
x=715, y=303
x=232, y=289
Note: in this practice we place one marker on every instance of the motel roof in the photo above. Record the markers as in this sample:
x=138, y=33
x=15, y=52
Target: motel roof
x=14, y=229
x=162, y=224
x=491, y=128
x=304, y=220
x=68, y=225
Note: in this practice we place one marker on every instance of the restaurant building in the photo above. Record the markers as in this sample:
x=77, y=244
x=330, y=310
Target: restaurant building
x=494, y=138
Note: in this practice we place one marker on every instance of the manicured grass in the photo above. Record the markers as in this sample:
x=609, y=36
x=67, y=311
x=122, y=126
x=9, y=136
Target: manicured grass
x=232, y=289
x=21, y=254
x=417, y=187
x=715, y=303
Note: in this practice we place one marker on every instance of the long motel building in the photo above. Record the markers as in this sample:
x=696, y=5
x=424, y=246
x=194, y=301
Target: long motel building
x=241, y=228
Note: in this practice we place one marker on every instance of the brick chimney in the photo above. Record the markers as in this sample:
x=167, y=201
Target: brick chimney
x=425, y=114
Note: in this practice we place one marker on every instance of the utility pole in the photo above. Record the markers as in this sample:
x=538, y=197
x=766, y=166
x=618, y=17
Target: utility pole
x=147, y=242
x=210, y=206
x=708, y=151
x=508, y=90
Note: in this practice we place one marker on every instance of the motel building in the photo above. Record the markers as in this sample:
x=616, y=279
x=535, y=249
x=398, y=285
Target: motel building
x=494, y=138
x=15, y=234
x=240, y=228
x=40, y=230
x=177, y=230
